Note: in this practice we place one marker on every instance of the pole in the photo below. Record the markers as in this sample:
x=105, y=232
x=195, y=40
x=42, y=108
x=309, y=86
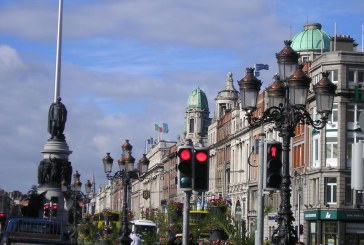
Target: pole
x=186, y=217
x=299, y=216
x=260, y=217
x=285, y=233
x=57, y=86
x=75, y=214
x=125, y=239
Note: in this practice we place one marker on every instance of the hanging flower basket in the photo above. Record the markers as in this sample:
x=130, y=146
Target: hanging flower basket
x=175, y=206
x=218, y=210
x=218, y=206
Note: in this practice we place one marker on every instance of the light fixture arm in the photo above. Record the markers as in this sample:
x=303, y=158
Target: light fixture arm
x=287, y=116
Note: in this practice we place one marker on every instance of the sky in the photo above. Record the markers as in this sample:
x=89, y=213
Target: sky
x=127, y=65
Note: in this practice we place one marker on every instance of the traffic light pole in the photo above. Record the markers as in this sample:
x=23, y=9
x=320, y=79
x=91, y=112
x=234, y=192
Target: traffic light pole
x=186, y=217
x=260, y=217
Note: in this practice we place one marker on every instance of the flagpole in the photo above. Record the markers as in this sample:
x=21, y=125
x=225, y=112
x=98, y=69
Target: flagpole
x=335, y=37
x=362, y=37
x=57, y=85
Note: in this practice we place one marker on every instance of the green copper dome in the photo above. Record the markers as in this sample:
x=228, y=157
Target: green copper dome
x=311, y=38
x=197, y=100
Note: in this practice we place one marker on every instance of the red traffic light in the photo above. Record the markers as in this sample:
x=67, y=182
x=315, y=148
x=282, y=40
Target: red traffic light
x=2, y=215
x=55, y=206
x=273, y=151
x=185, y=154
x=46, y=206
x=201, y=156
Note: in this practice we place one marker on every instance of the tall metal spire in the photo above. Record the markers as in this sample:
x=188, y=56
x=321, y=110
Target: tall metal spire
x=57, y=84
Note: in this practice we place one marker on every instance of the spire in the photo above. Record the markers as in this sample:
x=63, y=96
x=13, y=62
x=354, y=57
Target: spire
x=229, y=92
x=227, y=98
x=229, y=82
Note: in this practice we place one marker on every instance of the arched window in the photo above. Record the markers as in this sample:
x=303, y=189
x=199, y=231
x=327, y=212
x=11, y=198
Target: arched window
x=192, y=125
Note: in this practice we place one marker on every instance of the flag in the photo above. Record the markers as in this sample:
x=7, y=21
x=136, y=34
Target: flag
x=256, y=73
x=150, y=141
x=156, y=127
x=259, y=67
x=165, y=128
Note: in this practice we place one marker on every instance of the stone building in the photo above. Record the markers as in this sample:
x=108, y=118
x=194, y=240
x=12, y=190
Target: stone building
x=320, y=161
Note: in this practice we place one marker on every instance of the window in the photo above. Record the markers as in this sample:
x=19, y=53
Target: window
x=331, y=152
x=334, y=114
x=330, y=188
x=316, y=151
x=253, y=200
x=348, y=191
x=315, y=191
x=360, y=77
x=330, y=232
x=351, y=76
x=305, y=59
x=349, y=154
x=192, y=125
x=333, y=76
x=316, y=79
x=298, y=155
x=356, y=77
x=352, y=115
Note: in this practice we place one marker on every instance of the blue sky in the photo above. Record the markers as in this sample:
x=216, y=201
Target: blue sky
x=127, y=65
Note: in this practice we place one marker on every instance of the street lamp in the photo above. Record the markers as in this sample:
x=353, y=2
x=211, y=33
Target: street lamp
x=76, y=188
x=88, y=188
x=286, y=108
x=74, y=192
x=126, y=173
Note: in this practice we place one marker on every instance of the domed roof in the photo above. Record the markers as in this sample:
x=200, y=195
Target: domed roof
x=197, y=100
x=229, y=92
x=311, y=38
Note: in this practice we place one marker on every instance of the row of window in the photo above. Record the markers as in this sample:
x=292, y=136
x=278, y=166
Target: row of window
x=354, y=76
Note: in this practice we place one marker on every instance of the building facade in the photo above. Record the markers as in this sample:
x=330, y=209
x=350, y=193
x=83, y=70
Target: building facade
x=323, y=202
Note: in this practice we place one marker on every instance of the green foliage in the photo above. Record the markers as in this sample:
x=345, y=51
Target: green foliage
x=87, y=232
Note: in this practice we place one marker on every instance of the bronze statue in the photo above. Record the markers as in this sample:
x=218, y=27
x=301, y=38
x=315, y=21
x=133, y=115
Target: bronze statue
x=57, y=117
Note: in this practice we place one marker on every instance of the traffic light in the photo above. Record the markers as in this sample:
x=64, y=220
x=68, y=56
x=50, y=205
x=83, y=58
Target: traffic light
x=301, y=229
x=46, y=210
x=184, y=154
x=54, y=210
x=273, y=165
x=200, y=172
x=2, y=217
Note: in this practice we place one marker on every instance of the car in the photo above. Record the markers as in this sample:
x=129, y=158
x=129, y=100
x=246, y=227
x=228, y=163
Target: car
x=24, y=230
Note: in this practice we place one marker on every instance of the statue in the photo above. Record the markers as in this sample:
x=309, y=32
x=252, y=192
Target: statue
x=57, y=117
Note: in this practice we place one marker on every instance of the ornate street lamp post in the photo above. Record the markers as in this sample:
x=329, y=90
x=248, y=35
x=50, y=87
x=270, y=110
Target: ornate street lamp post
x=126, y=173
x=74, y=192
x=287, y=108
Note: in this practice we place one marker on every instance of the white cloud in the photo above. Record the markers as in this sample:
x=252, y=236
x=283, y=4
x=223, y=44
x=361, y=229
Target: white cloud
x=126, y=65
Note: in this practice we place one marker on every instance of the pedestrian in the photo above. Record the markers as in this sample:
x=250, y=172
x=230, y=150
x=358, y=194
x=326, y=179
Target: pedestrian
x=190, y=239
x=171, y=238
x=135, y=237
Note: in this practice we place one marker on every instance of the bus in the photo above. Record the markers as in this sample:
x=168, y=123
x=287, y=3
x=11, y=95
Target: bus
x=34, y=231
x=107, y=217
x=146, y=229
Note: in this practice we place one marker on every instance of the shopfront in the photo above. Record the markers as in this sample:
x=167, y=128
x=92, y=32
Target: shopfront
x=334, y=227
